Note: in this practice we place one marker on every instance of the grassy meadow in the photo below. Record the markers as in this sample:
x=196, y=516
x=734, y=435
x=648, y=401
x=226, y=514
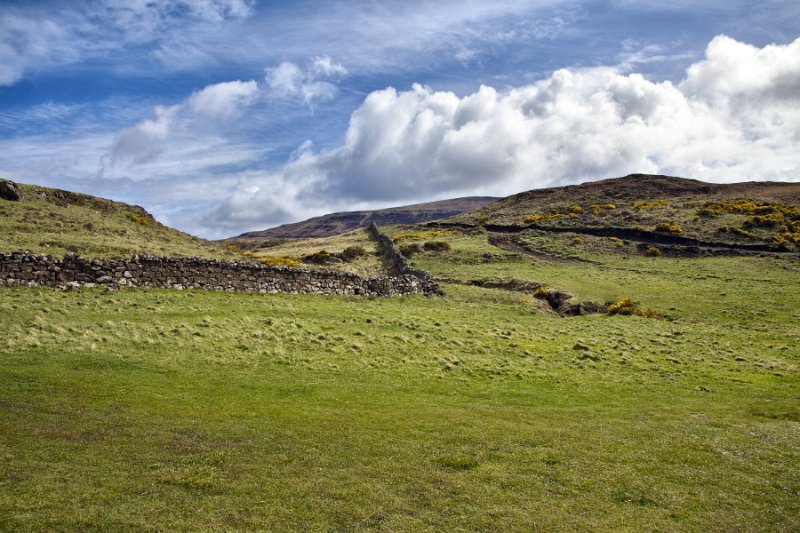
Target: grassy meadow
x=480, y=410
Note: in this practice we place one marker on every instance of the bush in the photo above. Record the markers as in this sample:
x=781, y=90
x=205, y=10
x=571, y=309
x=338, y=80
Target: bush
x=281, y=262
x=410, y=249
x=320, y=258
x=629, y=307
x=650, y=204
x=669, y=227
x=437, y=246
x=140, y=220
x=352, y=253
x=652, y=251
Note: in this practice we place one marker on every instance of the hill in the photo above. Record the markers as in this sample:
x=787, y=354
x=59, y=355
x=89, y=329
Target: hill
x=676, y=409
x=52, y=221
x=337, y=223
x=658, y=209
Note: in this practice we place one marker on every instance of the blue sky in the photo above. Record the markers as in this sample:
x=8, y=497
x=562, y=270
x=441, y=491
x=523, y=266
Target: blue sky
x=224, y=116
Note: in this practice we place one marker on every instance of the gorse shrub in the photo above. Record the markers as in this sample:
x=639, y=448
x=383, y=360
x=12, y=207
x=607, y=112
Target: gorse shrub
x=649, y=204
x=281, y=261
x=669, y=227
x=531, y=219
x=737, y=231
x=629, y=307
x=140, y=220
x=652, y=251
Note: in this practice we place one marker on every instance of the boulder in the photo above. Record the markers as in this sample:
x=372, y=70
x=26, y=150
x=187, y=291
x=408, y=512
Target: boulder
x=8, y=191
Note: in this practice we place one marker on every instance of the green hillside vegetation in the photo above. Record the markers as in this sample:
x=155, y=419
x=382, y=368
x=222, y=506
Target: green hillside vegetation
x=353, y=251
x=765, y=214
x=56, y=222
x=478, y=410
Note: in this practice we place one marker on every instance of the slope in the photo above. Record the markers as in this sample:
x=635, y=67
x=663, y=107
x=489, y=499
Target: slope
x=336, y=223
x=52, y=221
x=759, y=216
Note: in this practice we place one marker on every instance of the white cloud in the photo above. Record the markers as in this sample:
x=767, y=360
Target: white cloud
x=289, y=81
x=573, y=126
x=187, y=124
x=41, y=37
x=735, y=116
x=144, y=142
x=224, y=100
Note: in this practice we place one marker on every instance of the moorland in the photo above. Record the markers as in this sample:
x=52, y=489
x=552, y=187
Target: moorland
x=673, y=406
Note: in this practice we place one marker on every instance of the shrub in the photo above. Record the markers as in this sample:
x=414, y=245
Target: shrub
x=281, y=261
x=437, y=246
x=410, y=249
x=669, y=227
x=652, y=251
x=617, y=241
x=233, y=248
x=772, y=220
x=530, y=219
x=649, y=204
x=541, y=292
x=611, y=206
x=353, y=252
x=737, y=231
x=140, y=220
x=576, y=241
x=629, y=307
x=575, y=209
x=319, y=258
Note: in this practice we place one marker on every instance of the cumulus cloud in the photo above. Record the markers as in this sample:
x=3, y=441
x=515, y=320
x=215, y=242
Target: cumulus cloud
x=143, y=142
x=224, y=100
x=204, y=111
x=577, y=124
x=311, y=86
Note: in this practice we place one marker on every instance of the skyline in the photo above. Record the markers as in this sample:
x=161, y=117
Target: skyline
x=226, y=116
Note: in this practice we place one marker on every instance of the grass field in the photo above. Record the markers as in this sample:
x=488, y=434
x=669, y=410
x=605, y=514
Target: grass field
x=479, y=410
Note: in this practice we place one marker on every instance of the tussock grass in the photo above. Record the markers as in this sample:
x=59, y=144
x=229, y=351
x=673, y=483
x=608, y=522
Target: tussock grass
x=475, y=411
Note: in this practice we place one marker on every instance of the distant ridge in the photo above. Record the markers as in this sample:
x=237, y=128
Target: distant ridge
x=336, y=223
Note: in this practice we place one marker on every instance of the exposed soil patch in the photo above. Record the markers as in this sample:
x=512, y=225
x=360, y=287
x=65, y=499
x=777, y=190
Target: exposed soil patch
x=559, y=302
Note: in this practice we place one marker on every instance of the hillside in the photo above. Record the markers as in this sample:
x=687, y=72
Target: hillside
x=657, y=209
x=565, y=381
x=52, y=221
x=337, y=223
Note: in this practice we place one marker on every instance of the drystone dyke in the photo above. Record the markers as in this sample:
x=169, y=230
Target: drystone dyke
x=25, y=269
x=395, y=256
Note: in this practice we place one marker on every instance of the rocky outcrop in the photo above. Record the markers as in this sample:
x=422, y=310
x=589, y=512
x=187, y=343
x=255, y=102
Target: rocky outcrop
x=25, y=269
x=8, y=191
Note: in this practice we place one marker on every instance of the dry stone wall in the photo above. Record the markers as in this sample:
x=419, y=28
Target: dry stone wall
x=26, y=269
x=193, y=273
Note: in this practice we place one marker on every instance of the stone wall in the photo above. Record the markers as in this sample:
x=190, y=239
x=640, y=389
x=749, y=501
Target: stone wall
x=397, y=259
x=21, y=268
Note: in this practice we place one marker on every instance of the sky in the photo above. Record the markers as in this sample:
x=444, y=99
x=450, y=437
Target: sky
x=226, y=116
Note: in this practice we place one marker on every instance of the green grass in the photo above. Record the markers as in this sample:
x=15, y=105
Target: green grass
x=368, y=265
x=176, y=410
x=58, y=222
